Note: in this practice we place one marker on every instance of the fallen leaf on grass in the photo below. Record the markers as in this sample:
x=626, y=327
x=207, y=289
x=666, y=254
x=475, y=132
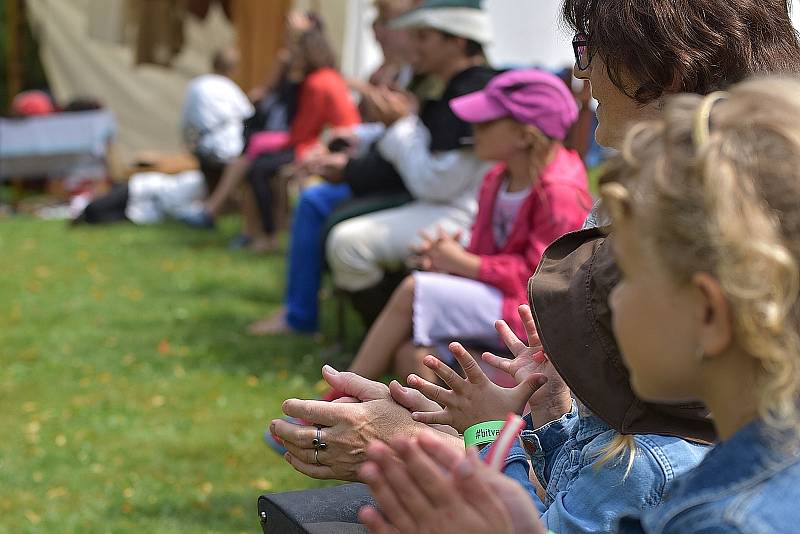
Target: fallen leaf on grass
x=58, y=491
x=28, y=354
x=261, y=484
x=236, y=511
x=34, y=286
x=134, y=294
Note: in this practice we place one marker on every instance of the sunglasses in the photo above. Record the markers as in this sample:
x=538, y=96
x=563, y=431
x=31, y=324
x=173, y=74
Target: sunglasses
x=583, y=54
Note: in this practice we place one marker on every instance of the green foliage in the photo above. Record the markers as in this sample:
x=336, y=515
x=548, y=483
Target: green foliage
x=132, y=400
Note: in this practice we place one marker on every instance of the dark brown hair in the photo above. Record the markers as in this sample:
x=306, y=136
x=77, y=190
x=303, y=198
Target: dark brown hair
x=316, y=50
x=225, y=61
x=694, y=46
x=472, y=48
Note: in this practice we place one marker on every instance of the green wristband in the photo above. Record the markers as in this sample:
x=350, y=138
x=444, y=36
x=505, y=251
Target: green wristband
x=482, y=433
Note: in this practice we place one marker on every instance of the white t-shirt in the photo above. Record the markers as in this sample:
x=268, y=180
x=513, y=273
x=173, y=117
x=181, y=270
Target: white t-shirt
x=213, y=112
x=155, y=195
x=505, y=211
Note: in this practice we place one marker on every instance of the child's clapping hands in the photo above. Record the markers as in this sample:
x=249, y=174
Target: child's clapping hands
x=476, y=399
x=549, y=402
x=473, y=399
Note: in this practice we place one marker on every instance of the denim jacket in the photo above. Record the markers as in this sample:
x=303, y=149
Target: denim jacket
x=744, y=485
x=581, y=497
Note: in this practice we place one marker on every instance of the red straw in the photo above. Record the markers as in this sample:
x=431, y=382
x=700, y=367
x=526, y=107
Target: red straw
x=505, y=440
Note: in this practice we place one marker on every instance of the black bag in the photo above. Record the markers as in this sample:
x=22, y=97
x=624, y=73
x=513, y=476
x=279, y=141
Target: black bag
x=315, y=511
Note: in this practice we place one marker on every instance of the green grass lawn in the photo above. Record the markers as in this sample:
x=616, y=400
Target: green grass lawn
x=131, y=398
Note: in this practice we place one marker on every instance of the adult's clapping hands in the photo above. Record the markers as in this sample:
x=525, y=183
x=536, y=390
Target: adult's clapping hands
x=348, y=426
x=389, y=105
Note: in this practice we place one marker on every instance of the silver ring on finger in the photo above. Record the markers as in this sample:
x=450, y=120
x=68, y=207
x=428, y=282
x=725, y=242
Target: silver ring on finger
x=317, y=442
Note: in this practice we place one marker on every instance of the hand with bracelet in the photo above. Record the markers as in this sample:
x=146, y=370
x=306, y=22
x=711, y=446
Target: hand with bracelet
x=473, y=399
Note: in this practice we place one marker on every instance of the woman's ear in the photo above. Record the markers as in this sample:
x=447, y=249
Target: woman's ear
x=714, y=314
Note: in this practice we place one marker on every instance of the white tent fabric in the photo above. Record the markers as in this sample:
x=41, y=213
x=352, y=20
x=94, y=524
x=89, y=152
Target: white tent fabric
x=145, y=99
x=86, y=52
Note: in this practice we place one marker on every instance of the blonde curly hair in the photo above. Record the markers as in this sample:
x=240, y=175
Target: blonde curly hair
x=714, y=186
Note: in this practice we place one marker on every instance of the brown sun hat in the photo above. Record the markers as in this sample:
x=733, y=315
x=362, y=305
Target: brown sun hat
x=569, y=299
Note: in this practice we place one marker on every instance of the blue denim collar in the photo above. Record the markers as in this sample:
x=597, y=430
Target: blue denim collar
x=549, y=436
x=552, y=435
x=753, y=454
x=589, y=427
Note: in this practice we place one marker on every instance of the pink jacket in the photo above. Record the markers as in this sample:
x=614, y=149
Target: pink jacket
x=556, y=205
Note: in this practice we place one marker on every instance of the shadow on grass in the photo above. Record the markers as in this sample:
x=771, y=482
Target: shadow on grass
x=261, y=295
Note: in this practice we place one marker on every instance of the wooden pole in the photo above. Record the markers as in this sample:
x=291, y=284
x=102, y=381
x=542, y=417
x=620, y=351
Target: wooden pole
x=14, y=47
x=259, y=32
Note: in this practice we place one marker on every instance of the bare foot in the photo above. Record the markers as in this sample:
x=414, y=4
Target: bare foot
x=271, y=325
x=263, y=245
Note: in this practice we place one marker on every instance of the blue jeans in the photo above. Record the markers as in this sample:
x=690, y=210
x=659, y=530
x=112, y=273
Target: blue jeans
x=304, y=270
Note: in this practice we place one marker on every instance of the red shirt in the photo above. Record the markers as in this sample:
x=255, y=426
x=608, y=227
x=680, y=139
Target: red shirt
x=557, y=204
x=324, y=100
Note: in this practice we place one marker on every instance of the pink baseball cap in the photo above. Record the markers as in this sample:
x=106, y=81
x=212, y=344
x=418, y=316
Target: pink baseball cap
x=30, y=103
x=530, y=96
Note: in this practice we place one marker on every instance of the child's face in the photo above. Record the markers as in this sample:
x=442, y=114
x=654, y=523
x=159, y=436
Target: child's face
x=656, y=323
x=498, y=140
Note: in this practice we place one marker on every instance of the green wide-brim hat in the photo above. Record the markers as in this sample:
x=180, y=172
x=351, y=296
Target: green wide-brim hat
x=462, y=18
